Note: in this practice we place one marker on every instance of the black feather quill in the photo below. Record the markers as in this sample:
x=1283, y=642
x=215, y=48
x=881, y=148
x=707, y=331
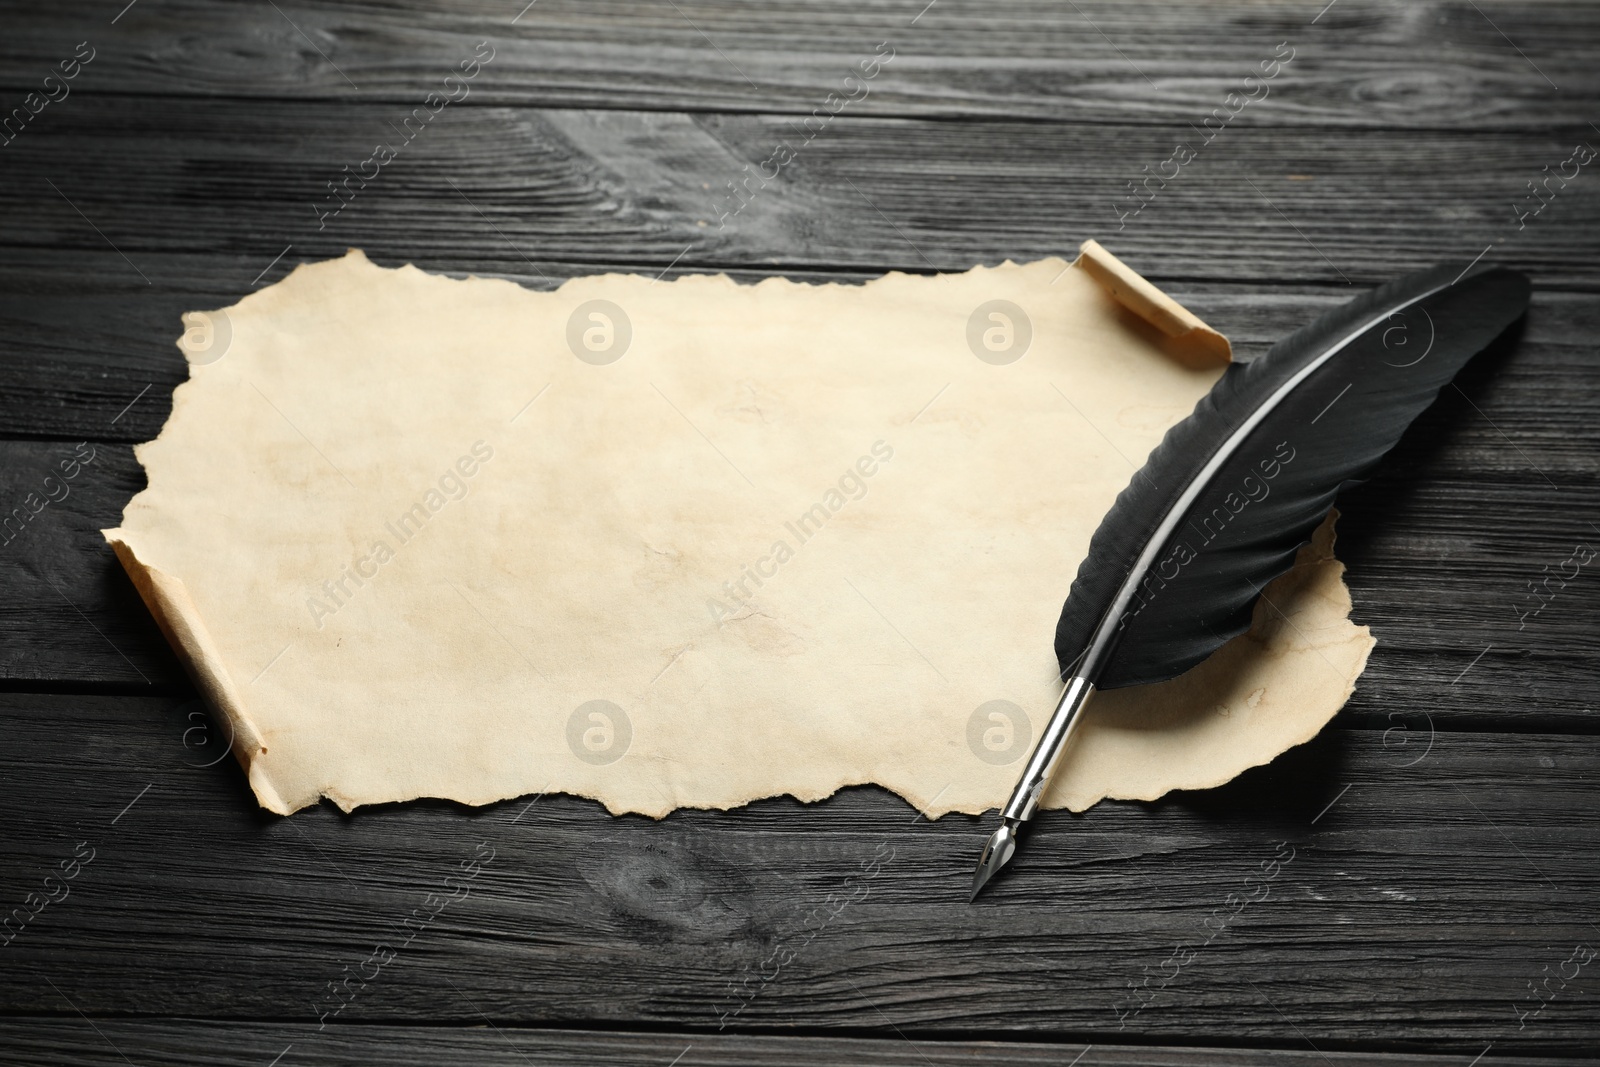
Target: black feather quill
x=1233, y=491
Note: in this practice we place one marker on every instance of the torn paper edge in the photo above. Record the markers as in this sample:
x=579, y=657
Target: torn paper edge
x=1193, y=343
x=180, y=623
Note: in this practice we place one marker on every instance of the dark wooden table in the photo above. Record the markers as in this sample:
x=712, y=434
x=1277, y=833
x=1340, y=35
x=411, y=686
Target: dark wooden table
x=1441, y=899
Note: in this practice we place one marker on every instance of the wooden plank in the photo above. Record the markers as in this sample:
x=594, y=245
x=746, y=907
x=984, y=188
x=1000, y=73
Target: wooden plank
x=68, y=613
x=1449, y=577
x=511, y=189
x=1362, y=63
x=1442, y=547
x=110, y=375
x=1418, y=905
x=104, y=1043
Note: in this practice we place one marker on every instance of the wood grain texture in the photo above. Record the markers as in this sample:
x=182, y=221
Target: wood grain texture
x=1362, y=63
x=68, y=614
x=514, y=188
x=1456, y=879
x=193, y=1043
x=1444, y=829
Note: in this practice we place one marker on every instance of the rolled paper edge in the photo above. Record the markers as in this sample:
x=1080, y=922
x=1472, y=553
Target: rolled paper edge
x=179, y=620
x=1191, y=341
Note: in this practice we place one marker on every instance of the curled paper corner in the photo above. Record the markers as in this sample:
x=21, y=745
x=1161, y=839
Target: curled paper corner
x=1240, y=707
x=175, y=614
x=1187, y=339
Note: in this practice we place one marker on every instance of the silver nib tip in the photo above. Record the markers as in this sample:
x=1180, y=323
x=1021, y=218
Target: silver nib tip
x=996, y=854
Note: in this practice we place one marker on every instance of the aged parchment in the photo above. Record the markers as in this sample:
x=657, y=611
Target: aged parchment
x=688, y=543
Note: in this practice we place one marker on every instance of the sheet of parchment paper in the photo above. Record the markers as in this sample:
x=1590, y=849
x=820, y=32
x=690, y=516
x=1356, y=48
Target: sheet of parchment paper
x=688, y=543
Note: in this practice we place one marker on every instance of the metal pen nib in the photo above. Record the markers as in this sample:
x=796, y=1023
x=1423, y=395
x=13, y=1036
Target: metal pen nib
x=1025, y=798
x=996, y=854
